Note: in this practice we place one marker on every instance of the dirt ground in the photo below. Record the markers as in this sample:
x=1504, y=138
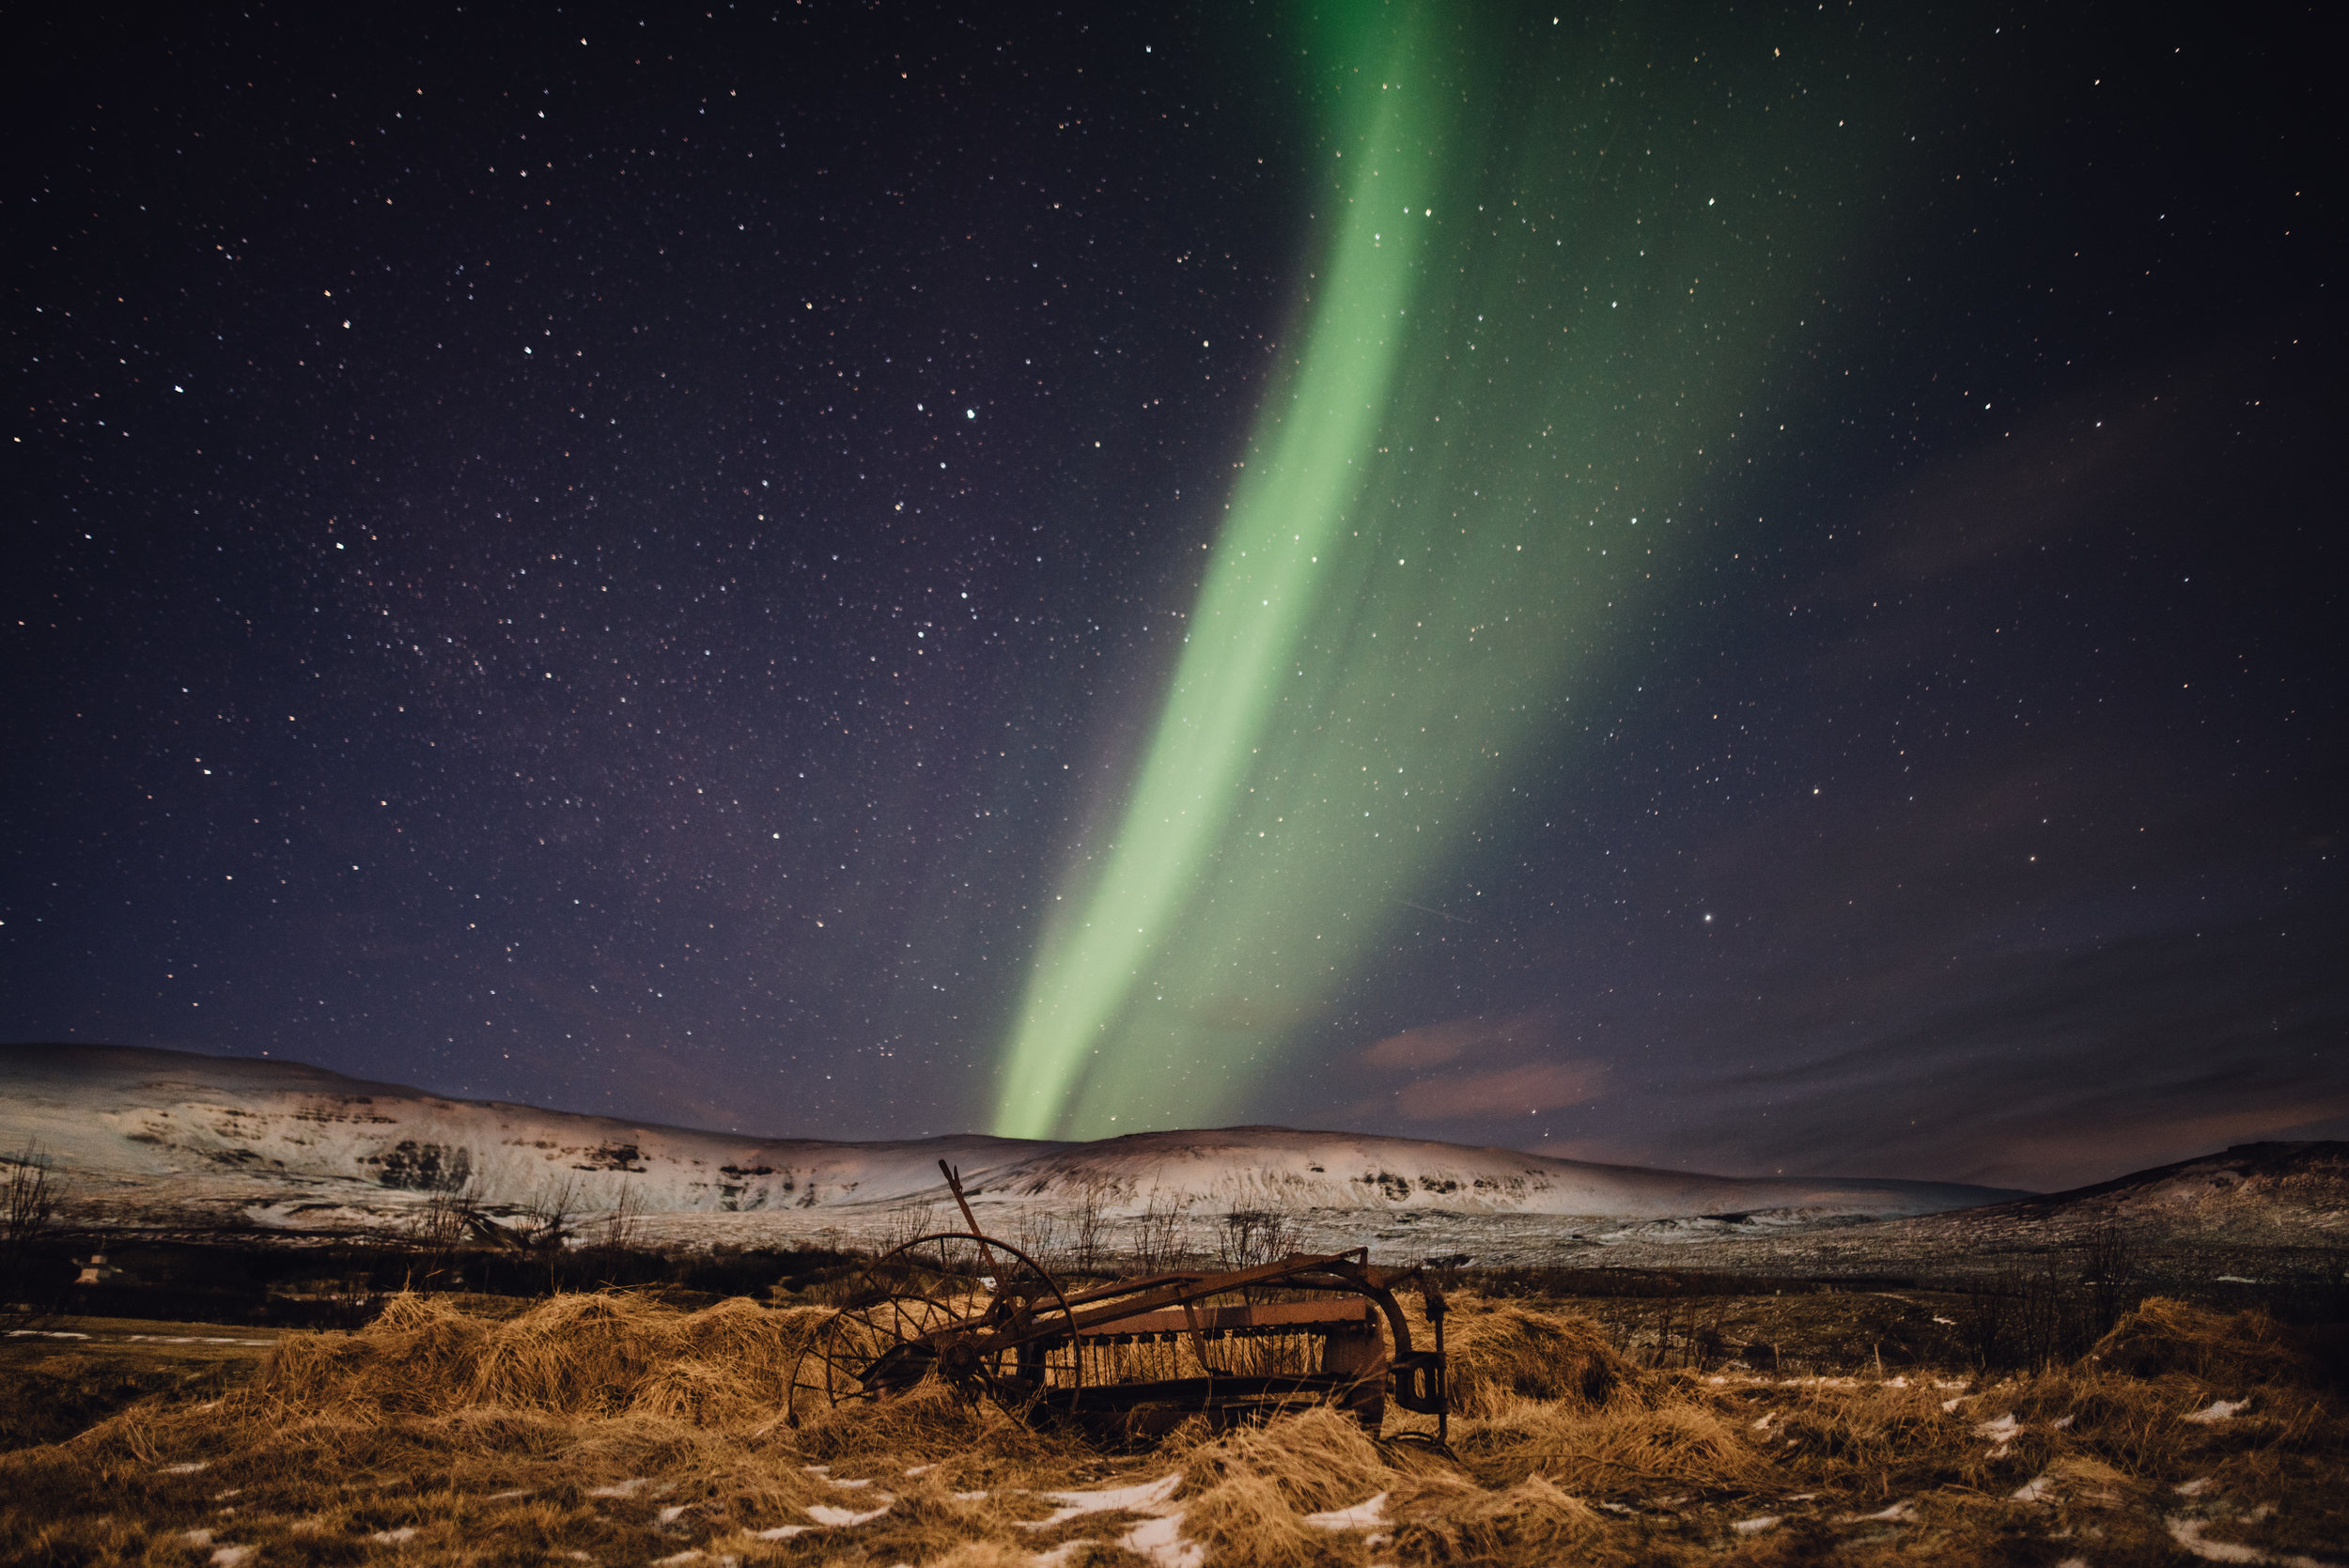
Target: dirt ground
x=1812, y=1333
x=62, y=1375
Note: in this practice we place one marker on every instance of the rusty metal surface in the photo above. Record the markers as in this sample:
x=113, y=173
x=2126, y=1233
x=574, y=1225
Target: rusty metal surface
x=1013, y=1335
x=1267, y=1317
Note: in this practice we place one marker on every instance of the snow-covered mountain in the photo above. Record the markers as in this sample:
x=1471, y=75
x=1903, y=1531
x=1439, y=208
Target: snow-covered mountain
x=144, y=1136
x=2244, y=1190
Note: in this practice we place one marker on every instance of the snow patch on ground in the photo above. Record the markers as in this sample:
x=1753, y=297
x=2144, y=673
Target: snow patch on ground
x=2188, y=1534
x=1369, y=1514
x=1160, y=1543
x=1138, y=1498
x=1902, y=1512
x=2219, y=1411
x=2002, y=1431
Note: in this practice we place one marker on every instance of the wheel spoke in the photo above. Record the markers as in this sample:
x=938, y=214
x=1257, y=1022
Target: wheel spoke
x=909, y=1318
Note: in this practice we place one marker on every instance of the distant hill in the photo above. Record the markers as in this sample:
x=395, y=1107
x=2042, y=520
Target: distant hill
x=158, y=1137
x=2270, y=1210
x=2249, y=1182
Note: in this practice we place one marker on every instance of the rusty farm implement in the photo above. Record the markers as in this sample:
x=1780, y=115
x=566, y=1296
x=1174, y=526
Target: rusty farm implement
x=1129, y=1357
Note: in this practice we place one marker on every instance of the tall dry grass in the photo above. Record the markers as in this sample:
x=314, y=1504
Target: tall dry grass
x=597, y=1355
x=1502, y=1352
x=632, y=1433
x=1681, y=1447
x=1313, y=1462
x=1451, y=1519
x=2165, y=1336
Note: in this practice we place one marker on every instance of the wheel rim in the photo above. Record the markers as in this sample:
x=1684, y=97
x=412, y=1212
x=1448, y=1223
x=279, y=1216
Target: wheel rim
x=889, y=1340
x=875, y=1348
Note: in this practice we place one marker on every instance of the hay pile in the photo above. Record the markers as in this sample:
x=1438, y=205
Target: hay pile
x=1678, y=1448
x=1499, y=1351
x=1250, y=1489
x=598, y=1354
x=1449, y=1519
x=629, y=1432
x=2164, y=1336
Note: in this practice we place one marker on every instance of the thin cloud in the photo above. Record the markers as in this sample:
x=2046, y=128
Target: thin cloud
x=1435, y=1044
x=1503, y=1091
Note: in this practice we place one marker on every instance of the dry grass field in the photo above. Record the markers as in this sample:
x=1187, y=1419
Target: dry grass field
x=610, y=1429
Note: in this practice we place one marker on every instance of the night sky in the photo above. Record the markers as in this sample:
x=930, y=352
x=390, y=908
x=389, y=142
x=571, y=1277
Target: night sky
x=1751, y=592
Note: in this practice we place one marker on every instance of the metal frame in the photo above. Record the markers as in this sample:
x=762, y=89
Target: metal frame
x=1026, y=1348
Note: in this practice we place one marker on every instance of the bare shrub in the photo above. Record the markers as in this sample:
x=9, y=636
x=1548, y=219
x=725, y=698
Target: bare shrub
x=28, y=1200
x=1983, y=1329
x=1686, y=1335
x=624, y=1227
x=1245, y=1238
x=2048, y=1319
x=550, y=1212
x=439, y=1232
x=1089, y=1226
x=915, y=1217
x=2026, y=1318
x=2109, y=1268
x=1038, y=1235
x=28, y=1210
x=1156, y=1236
x=2033, y=1317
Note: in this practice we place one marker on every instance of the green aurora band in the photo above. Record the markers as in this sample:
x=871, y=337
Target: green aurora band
x=1559, y=269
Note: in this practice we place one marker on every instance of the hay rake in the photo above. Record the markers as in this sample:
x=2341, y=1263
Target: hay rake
x=1131, y=1357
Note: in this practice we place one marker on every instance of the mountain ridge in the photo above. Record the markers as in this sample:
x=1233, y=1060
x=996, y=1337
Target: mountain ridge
x=283, y=1143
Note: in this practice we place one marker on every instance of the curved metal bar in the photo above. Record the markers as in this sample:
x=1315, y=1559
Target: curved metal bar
x=1031, y=1323
x=998, y=1329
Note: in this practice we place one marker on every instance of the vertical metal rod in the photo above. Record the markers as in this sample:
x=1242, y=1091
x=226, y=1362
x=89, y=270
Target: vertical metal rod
x=1443, y=1374
x=954, y=1185
x=1437, y=1310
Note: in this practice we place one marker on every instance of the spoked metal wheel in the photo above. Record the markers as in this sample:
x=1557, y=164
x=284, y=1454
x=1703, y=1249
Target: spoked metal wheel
x=876, y=1347
x=945, y=1305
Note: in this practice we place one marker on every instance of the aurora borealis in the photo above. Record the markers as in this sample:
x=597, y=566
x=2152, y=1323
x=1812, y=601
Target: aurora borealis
x=1395, y=610
x=1751, y=590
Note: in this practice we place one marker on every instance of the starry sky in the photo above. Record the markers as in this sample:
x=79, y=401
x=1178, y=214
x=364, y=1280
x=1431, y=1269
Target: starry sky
x=1757, y=592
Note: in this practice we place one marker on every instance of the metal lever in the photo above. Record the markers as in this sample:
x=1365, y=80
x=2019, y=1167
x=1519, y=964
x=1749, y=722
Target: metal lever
x=954, y=1185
